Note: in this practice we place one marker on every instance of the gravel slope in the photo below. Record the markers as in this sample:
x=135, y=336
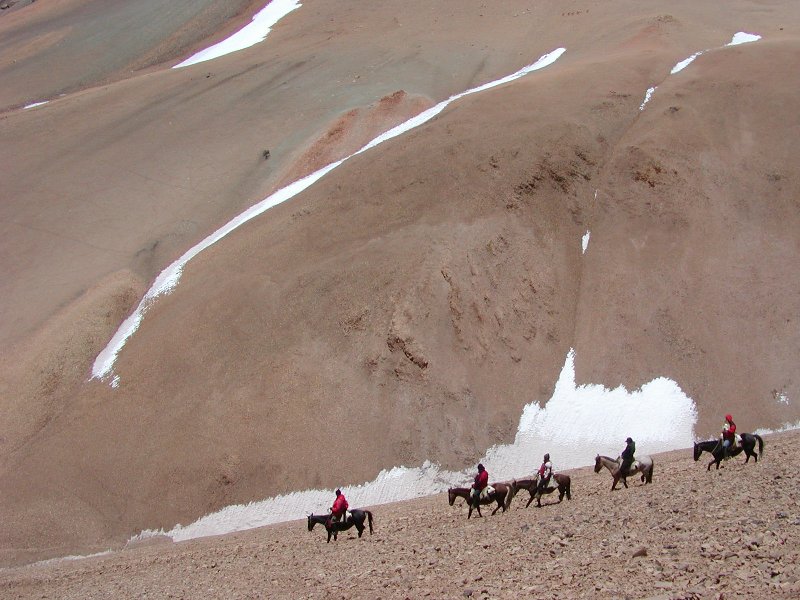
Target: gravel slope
x=732, y=533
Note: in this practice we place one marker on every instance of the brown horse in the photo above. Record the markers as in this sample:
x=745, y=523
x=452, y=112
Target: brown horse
x=501, y=492
x=532, y=483
x=643, y=465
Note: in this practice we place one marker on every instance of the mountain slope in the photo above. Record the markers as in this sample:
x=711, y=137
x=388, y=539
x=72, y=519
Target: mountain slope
x=411, y=303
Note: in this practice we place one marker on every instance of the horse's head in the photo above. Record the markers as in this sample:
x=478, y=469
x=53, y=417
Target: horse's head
x=598, y=464
x=451, y=496
x=697, y=451
x=311, y=522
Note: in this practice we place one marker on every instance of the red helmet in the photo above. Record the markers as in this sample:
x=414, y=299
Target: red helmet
x=728, y=418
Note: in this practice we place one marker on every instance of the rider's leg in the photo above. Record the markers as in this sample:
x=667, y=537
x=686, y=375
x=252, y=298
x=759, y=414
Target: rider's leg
x=474, y=497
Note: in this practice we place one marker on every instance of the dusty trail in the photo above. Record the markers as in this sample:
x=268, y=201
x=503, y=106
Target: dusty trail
x=732, y=533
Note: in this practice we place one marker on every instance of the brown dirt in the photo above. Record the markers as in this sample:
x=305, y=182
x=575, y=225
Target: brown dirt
x=691, y=534
x=408, y=305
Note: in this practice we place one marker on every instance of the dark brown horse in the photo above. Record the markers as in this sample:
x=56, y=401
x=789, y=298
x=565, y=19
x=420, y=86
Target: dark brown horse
x=714, y=447
x=532, y=483
x=501, y=492
x=354, y=518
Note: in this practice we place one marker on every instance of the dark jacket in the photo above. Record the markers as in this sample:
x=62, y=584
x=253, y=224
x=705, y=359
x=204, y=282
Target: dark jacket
x=627, y=454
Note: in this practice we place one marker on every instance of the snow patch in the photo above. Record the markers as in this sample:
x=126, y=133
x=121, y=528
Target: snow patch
x=647, y=95
x=585, y=241
x=781, y=429
x=741, y=37
x=35, y=104
x=251, y=34
x=738, y=38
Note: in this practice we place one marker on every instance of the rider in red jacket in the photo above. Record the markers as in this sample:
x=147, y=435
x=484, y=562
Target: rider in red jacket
x=339, y=507
x=481, y=481
x=545, y=472
x=728, y=435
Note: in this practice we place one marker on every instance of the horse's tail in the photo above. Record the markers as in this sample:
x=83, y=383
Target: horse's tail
x=760, y=444
x=649, y=477
x=369, y=518
x=569, y=485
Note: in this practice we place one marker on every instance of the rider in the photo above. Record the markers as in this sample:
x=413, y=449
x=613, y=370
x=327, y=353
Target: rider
x=339, y=507
x=545, y=472
x=627, y=457
x=728, y=436
x=481, y=482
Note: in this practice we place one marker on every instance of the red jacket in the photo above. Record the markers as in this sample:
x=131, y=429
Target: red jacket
x=481, y=480
x=730, y=434
x=339, y=506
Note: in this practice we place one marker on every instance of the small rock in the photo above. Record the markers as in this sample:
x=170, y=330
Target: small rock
x=640, y=552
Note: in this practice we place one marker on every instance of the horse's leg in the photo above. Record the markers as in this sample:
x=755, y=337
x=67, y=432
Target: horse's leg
x=529, y=501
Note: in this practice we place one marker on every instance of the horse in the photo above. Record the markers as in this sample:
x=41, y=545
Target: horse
x=531, y=484
x=354, y=518
x=714, y=447
x=501, y=492
x=643, y=465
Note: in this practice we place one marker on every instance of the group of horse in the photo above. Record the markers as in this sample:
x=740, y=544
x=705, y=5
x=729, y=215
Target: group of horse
x=504, y=492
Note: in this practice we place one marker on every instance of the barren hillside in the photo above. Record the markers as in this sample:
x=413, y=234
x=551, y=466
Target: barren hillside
x=412, y=302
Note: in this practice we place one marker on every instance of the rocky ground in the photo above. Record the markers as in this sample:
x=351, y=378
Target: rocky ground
x=692, y=534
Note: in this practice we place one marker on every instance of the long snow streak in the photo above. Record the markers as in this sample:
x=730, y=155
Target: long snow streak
x=168, y=279
x=577, y=423
x=251, y=34
x=738, y=38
